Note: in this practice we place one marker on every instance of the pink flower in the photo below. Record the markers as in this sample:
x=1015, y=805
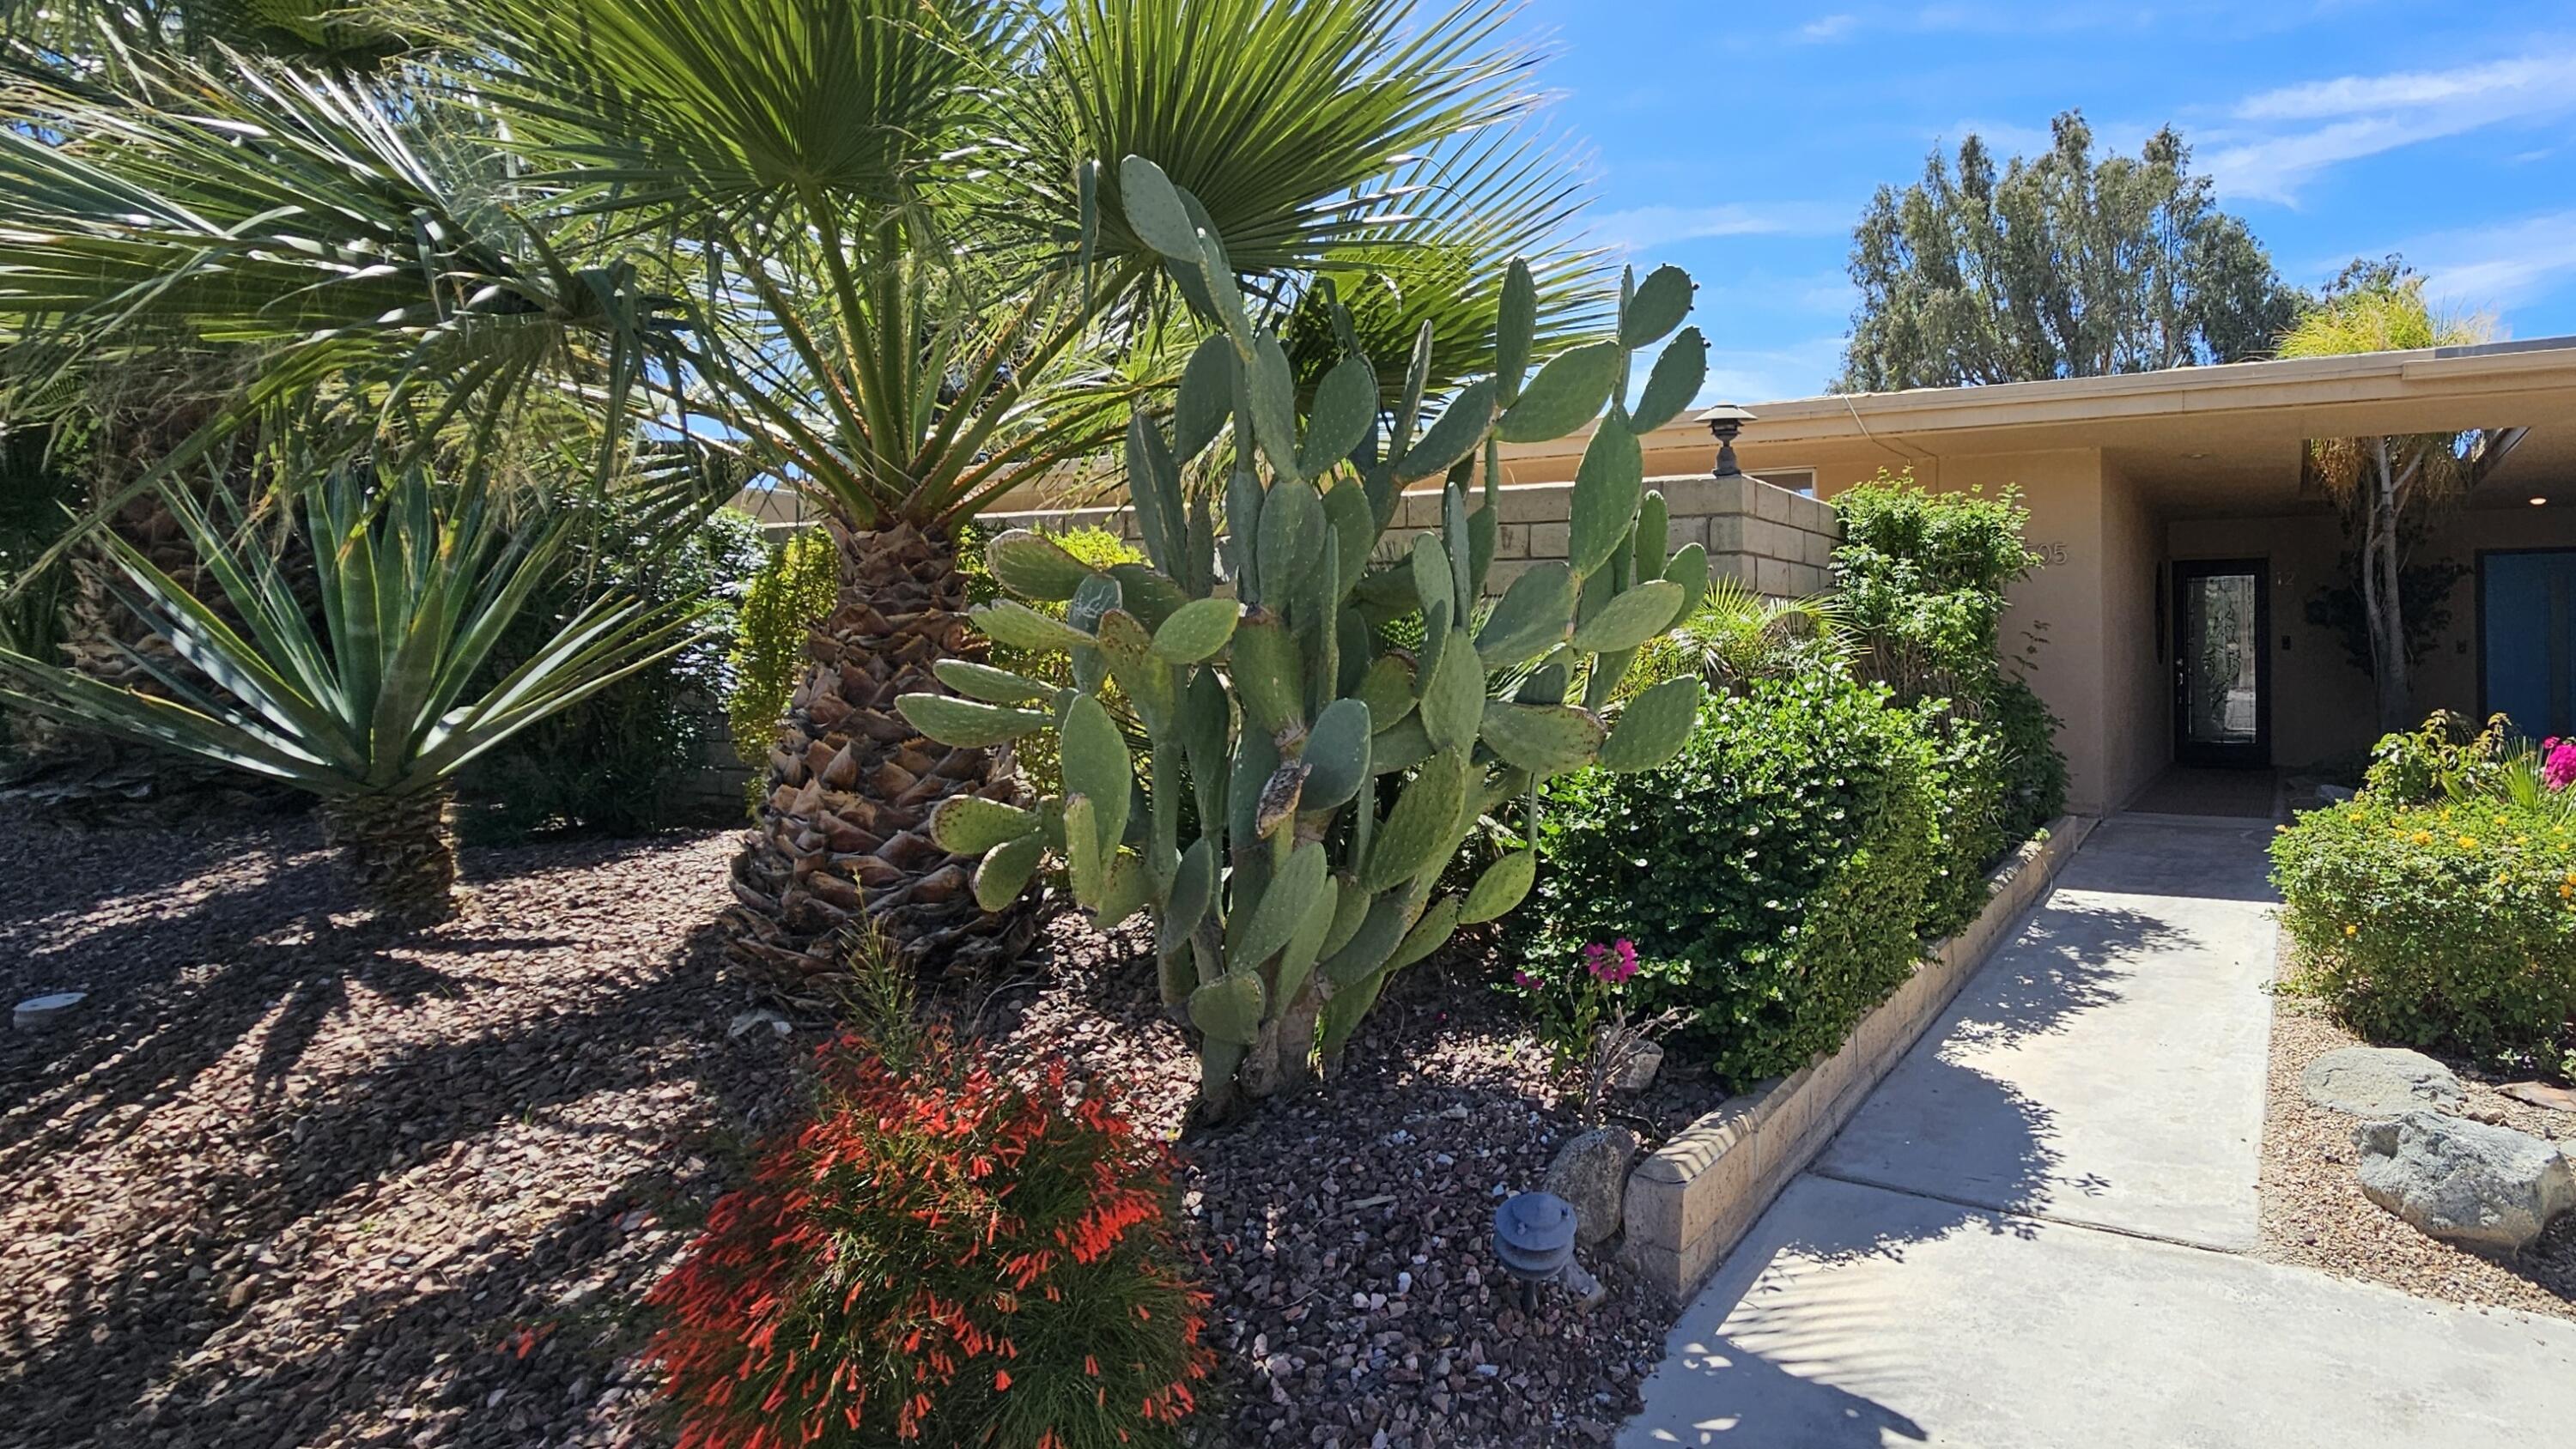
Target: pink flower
x=1526, y=981
x=2559, y=770
x=1611, y=965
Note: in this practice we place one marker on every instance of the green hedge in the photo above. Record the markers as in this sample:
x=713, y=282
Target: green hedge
x=609, y=764
x=1775, y=876
x=2444, y=925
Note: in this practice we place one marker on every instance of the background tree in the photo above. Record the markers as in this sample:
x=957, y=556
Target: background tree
x=2391, y=490
x=2062, y=266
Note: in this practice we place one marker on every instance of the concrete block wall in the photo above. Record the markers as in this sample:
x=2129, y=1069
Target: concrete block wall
x=1779, y=543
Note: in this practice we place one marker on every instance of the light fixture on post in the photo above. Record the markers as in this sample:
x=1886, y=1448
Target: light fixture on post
x=1725, y=421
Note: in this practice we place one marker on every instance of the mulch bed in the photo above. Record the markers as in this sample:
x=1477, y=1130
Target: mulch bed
x=2314, y=1212
x=284, y=1181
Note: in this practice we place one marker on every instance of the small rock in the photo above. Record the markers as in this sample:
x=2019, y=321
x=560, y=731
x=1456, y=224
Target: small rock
x=746, y=1020
x=2465, y=1182
x=1591, y=1172
x=2541, y=1094
x=1455, y=1112
x=2379, y=1082
x=1639, y=1071
x=38, y=1012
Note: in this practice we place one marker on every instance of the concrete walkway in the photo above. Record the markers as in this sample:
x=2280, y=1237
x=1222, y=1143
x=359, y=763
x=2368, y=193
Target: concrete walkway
x=2035, y=1232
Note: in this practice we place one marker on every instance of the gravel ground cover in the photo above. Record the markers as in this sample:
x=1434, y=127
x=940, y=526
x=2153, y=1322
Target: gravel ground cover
x=1347, y=1231
x=2314, y=1212
x=283, y=1181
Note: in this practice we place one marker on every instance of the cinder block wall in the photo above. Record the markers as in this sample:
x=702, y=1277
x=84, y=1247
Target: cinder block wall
x=1778, y=542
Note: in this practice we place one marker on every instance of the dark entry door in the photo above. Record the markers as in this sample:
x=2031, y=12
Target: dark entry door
x=2222, y=671
x=2527, y=638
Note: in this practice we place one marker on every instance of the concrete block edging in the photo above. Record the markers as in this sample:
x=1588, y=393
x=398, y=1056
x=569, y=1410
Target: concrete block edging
x=1691, y=1200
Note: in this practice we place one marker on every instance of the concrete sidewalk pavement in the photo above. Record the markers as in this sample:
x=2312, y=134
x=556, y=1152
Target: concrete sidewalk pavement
x=2033, y=1232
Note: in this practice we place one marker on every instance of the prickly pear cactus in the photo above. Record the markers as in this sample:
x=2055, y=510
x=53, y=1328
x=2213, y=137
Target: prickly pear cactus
x=1304, y=785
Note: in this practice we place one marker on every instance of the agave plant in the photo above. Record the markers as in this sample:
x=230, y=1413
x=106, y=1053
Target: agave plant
x=417, y=581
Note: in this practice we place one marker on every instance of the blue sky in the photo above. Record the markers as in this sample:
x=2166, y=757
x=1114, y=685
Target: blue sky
x=1742, y=140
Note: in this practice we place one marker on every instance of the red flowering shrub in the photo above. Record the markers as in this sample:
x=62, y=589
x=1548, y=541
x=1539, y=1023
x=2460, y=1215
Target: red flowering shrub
x=942, y=1258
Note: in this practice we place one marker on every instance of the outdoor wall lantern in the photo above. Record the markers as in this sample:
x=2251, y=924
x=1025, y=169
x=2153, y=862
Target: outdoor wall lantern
x=1725, y=421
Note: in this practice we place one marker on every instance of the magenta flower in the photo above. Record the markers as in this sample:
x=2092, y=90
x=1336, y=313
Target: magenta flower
x=1525, y=981
x=2559, y=770
x=1613, y=964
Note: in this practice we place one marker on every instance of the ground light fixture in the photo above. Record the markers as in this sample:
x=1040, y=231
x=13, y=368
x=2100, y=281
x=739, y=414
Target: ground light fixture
x=1534, y=1238
x=1725, y=421
x=2537, y=502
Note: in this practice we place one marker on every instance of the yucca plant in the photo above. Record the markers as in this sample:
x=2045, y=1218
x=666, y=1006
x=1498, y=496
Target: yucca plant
x=416, y=581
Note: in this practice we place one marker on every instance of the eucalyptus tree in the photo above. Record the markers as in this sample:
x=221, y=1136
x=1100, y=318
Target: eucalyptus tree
x=2058, y=265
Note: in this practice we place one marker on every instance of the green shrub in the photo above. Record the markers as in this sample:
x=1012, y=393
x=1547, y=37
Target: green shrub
x=2450, y=924
x=1773, y=876
x=1971, y=806
x=1921, y=578
x=1096, y=547
x=782, y=603
x=608, y=764
x=2034, y=772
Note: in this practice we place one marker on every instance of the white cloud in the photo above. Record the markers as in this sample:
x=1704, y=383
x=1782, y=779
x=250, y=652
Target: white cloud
x=2351, y=117
x=2496, y=267
x=1749, y=376
x=1829, y=27
x=2354, y=95
x=1642, y=227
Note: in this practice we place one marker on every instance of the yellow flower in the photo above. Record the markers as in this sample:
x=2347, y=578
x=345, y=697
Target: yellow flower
x=2468, y=842
x=2565, y=890
x=2423, y=837
x=2351, y=930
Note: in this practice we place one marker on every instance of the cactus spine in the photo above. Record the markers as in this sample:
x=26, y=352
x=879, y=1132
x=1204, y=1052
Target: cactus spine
x=1325, y=781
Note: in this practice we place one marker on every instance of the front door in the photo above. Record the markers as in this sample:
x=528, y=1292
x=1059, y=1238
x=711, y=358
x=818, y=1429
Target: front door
x=2527, y=638
x=2222, y=673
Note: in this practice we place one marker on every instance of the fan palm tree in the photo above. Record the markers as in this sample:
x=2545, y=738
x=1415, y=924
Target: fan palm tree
x=417, y=582
x=872, y=239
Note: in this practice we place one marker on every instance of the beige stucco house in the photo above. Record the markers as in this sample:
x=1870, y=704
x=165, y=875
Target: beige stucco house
x=2172, y=517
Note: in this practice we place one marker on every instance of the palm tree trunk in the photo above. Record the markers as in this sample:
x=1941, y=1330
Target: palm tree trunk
x=844, y=826
x=397, y=853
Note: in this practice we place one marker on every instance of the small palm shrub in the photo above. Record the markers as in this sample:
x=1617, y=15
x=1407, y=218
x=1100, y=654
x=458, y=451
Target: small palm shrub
x=1772, y=877
x=939, y=1256
x=2448, y=924
x=1737, y=636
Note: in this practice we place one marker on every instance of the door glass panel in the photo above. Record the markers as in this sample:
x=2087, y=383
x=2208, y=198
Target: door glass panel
x=2220, y=663
x=2529, y=612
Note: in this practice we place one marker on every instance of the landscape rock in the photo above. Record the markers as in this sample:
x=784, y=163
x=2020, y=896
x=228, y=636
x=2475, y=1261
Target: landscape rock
x=1638, y=1073
x=2379, y=1082
x=38, y=1012
x=2541, y=1094
x=2464, y=1182
x=1591, y=1172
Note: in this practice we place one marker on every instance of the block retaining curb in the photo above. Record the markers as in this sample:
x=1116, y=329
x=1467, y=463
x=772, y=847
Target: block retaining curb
x=1692, y=1199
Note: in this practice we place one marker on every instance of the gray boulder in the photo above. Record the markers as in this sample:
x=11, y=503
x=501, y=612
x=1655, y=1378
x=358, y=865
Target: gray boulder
x=1591, y=1172
x=2465, y=1182
x=2379, y=1082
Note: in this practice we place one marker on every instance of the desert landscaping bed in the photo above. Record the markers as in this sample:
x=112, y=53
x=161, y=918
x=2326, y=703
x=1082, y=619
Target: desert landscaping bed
x=279, y=1181
x=2315, y=1215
